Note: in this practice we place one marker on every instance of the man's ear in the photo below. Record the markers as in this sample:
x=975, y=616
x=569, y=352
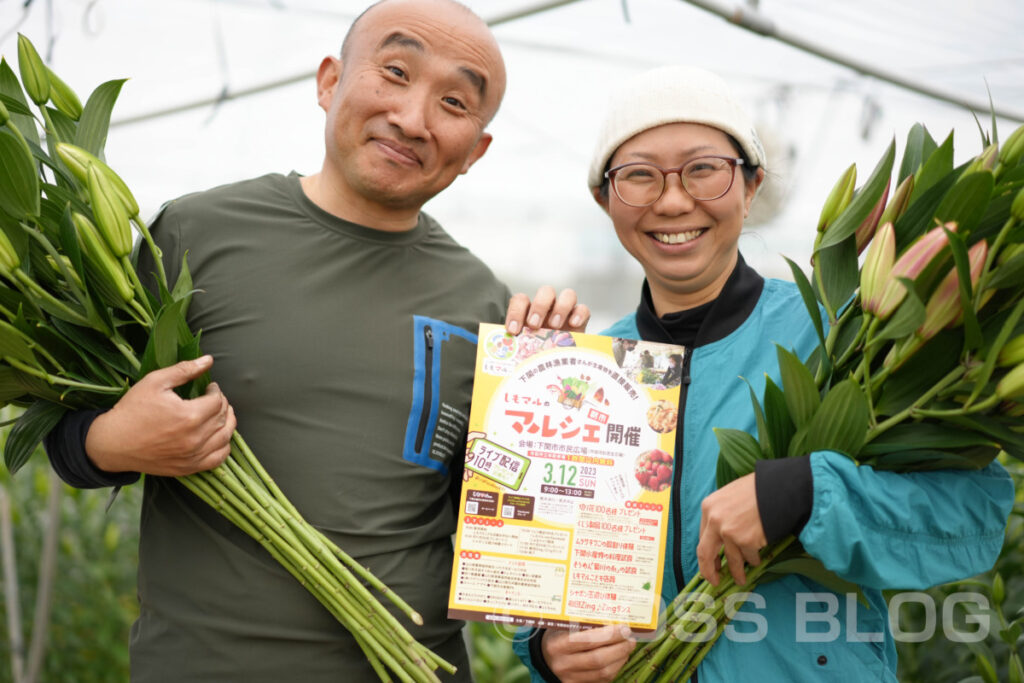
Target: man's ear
x=481, y=146
x=600, y=197
x=327, y=77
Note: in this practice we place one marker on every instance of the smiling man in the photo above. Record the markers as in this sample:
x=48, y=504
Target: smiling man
x=343, y=322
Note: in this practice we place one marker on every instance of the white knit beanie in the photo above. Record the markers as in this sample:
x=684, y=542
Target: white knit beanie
x=672, y=94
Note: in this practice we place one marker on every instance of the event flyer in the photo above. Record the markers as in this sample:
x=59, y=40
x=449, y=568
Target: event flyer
x=565, y=499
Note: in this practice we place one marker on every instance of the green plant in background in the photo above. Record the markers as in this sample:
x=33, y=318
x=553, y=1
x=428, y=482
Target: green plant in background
x=920, y=362
x=77, y=328
x=996, y=658
x=84, y=638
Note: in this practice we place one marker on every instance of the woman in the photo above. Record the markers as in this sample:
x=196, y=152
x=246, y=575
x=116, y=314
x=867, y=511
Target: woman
x=676, y=168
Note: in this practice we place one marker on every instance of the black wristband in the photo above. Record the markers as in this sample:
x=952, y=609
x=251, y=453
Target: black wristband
x=65, y=446
x=785, y=495
x=537, y=657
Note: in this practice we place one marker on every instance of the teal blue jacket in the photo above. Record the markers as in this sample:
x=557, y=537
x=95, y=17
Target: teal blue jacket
x=881, y=530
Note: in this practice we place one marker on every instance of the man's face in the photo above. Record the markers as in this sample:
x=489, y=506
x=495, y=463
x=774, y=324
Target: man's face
x=407, y=106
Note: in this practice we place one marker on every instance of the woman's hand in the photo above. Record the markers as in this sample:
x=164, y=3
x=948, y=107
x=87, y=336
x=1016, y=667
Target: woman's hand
x=730, y=519
x=546, y=310
x=591, y=656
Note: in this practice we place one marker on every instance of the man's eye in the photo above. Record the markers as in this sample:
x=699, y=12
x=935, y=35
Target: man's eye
x=453, y=102
x=396, y=71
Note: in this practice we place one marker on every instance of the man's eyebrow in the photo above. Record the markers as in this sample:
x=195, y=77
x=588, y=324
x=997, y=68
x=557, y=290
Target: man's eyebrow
x=478, y=81
x=403, y=40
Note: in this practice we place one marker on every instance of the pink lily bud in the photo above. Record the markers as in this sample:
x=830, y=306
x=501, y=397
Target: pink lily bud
x=900, y=199
x=943, y=309
x=910, y=265
x=877, y=265
x=867, y=228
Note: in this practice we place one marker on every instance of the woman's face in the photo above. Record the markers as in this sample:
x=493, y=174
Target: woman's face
x=687, y=248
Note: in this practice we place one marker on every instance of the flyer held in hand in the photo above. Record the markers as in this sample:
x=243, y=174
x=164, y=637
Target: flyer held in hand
x=564, y=509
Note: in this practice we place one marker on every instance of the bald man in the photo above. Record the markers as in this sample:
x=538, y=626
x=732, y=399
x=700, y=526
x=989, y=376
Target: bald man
x=343, y=321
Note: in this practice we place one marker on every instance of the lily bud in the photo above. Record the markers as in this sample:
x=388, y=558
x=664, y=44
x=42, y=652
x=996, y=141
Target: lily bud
x=839, y=198
x=78, y=161
x=1012, y=384
x=1012, y=352
x=944, y=309
x=910, y=265
x=1017, y=208
x=867, y=228
x=1009, y=251
x=877, y=264
x=110, y=213
x=98, y=251
x=900, y=199
x=983, y=162
x=64, y=98
x=9, y=260
x=67, y=264
x=1013, y=148
x=33, y=72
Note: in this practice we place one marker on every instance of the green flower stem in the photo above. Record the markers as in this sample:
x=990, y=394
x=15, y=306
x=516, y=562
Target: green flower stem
x=993, y=252
x=27, y=284
x=52, y=379
x=318, y=546
x=51, y=130
x=153, y=249
x=990, y=402
x=45, y=243
x=141, y=296
x=300, y=541
x=854, y=345
x=243, y=451
x=954, y=375
x=308, y=571
x=699, y=656
x=208, y=484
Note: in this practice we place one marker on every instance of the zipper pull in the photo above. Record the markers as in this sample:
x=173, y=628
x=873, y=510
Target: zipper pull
x=428, y=336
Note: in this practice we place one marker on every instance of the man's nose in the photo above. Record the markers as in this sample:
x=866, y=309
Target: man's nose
x=409, y=114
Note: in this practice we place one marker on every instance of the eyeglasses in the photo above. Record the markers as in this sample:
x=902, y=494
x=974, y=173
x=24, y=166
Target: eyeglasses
x=704, y=178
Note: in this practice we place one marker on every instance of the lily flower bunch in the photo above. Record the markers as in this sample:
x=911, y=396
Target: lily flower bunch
x=78, y=328
x=917, y=300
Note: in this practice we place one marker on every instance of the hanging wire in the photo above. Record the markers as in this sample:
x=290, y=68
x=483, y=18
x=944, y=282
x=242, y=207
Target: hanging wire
x=222, y=62
x=17, y=24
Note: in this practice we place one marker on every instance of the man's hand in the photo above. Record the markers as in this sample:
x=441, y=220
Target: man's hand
x=561, y=313
x=154, y=431
x=730, y=518
x=594, y=655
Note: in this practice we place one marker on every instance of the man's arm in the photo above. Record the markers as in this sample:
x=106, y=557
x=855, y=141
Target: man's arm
x=150, y=430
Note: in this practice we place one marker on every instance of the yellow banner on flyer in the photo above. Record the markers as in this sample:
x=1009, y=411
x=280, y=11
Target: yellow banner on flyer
x=564, y=508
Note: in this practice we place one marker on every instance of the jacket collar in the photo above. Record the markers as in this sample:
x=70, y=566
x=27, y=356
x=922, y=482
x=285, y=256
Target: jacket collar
x=708, y=323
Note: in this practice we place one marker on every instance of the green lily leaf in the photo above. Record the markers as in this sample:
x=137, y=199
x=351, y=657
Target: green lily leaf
x=919, y=216
x=776, y=415
x=95, y=120
x=907, y=318
x=932, y=459
x=96, y=345
x=999, y=427
x=938, y=166
x=15, y=344
x=814, y=570
x=1009, y=274
x=162, y=347
x=836, y=275
x=738, y=450
x=920, y=146
x=840, y=424
x=972, y=330
x=10, y=86
x=10, y=387
x=65, y=128
x=911, y=436
x=921, y=372
x=19, y=182
x=863, y=202
x=762, y=427
x=966, y=201
x=26, y=435
x=845, y=337
x=802, y=398
x=810, y=301
x=13, y=106
x=1009, y=325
